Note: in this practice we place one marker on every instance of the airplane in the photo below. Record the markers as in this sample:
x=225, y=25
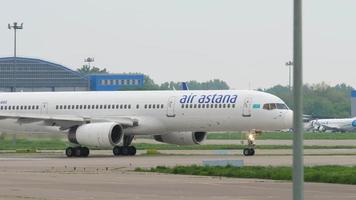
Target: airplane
x=112, y=119
x=334, y=125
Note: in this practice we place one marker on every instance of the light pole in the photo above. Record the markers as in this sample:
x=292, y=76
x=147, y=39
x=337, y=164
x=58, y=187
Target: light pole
x=89, y=60
x=290, y=65
x=15, y=27
x=298, y=160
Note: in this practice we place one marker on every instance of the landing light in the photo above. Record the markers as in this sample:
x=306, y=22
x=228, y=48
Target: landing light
x=251, y=137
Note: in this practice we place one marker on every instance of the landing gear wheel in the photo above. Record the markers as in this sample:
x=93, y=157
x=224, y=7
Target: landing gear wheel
x=84, y=151
x=132, y=150
x=69, y=152
x=125, y=151
x=249, y=152
x=117, y=151
x=77, y=152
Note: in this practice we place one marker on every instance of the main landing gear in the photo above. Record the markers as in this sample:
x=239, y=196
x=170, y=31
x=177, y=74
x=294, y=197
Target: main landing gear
x=126, y=149
x=77, y=152
x=251, y=145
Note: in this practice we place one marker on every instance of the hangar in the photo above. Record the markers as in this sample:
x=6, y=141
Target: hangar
x=30, y=75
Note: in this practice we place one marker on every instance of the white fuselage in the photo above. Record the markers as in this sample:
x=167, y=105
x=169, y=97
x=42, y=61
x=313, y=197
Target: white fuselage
x=340, y=124
x=157, y=112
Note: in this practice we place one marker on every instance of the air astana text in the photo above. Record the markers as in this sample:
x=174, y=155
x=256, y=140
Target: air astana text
x=213, y=98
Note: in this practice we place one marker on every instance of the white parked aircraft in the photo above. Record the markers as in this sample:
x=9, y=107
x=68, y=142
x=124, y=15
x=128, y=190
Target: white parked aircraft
x=334, y=125
x=112, y=119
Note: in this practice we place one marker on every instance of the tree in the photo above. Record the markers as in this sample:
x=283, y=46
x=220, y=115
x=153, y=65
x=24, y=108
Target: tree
x=86, y=69
x=320, y=100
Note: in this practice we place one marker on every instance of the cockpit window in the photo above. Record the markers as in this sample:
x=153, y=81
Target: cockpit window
x=266, y=106
x=272, y=106
x=282, y=106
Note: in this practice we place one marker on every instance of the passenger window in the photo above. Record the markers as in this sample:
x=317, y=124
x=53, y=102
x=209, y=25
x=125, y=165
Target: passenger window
x=61, y=107
x=186, y=105
x=104, y=106
x=129, y=106
x=125, y=106
x=80, y=106
x=182, y=105
x=17, y=107
x=224, y=105
x=199, y=105
x=37, y=107
x=153, y=106
x=233, y=105
x=207, y=105
x=216, y=105
x=228, y=105
x=149, y=106
x=101, y=106
x=220, y=105
x=191, y=106
x=57, y=107
x=157, y=106
x=121, y=106
x=195, y=105
x=145, y=106
x=137, y=106
x=162, y=106
x=109, y=106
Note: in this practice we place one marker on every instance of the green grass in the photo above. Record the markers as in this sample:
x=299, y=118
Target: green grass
x=43, y=144
x=59, y=144
x=283, y=136
x=321, y=174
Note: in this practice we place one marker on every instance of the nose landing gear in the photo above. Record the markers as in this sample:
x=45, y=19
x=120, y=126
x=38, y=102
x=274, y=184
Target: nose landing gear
x=251, y=145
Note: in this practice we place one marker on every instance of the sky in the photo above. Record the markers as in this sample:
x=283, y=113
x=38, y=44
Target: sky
x=245, y=43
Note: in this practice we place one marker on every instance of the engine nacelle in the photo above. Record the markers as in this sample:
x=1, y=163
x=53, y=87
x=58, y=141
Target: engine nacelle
x=101, y=135
x=182, y=138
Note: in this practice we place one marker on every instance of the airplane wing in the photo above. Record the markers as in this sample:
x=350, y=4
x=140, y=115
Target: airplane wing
x=65, y=122
x=331, y=127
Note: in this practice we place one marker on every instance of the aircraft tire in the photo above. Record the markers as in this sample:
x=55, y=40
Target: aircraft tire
x=117, y=151
x=69, y=152
x=132, y=150
x=248, y=152
x=84, y=151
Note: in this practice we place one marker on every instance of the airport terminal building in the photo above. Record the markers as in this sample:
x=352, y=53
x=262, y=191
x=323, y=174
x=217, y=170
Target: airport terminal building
x=31, y=75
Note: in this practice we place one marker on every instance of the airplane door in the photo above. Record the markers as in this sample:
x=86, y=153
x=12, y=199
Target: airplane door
x=170, y=107
x=44, y=108
x=246, y=110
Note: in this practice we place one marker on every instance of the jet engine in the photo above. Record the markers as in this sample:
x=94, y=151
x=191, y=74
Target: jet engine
x=182, y=138
x=104, y=134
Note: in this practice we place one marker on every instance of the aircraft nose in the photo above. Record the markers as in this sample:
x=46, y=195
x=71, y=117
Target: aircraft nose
x=288, y=119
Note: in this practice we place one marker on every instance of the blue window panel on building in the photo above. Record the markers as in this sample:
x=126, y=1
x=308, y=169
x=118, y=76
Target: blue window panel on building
x=114, y=82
